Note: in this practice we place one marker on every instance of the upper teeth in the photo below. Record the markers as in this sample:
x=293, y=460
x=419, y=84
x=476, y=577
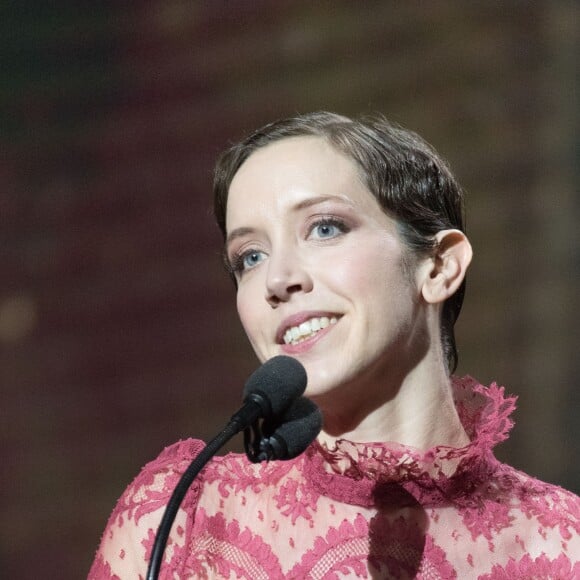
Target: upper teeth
x=296, y=334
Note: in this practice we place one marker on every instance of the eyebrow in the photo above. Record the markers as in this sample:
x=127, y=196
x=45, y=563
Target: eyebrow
x=238, y=233
x=309, y=202
x=306, y=203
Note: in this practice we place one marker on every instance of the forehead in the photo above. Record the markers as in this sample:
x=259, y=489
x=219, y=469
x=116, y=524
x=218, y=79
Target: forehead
x=291, y=170
x=295, y=157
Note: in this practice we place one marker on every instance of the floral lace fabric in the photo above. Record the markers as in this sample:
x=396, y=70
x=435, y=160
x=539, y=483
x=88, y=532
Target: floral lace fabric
x=353, y=511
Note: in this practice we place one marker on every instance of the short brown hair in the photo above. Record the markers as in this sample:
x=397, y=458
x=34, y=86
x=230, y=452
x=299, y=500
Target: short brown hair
x=409, y=179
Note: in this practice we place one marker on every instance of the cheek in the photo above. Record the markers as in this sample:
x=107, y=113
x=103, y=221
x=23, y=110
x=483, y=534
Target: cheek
x=377, y=284
x=250, y=306
x=371, y=273
x=245, y=310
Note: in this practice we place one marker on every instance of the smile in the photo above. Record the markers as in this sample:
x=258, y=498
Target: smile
x=307, y=329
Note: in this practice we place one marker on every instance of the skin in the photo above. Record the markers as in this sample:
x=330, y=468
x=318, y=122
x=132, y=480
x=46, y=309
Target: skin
x=306, y=238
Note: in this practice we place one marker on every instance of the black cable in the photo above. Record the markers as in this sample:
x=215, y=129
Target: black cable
x=179, y=493
x=269, y=391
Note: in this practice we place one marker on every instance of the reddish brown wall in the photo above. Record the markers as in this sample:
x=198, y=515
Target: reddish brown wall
x=118, y=332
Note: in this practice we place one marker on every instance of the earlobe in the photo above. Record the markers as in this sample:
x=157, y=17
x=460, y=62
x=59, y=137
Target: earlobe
x=447, y=268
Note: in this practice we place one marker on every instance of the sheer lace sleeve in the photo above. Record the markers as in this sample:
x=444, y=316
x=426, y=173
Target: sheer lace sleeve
x=128, y=538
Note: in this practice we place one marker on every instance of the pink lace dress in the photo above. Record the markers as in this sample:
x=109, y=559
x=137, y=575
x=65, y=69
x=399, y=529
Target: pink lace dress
x=355, y=511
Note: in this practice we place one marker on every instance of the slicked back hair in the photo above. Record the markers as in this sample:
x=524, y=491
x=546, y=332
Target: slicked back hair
x=413, y=184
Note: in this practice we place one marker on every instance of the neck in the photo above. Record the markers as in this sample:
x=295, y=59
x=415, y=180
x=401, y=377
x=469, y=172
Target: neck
x=416, y=410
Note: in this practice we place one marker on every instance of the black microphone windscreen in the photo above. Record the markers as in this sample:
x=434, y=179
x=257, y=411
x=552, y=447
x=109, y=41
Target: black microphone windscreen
x=279, y=380
x=298, y=427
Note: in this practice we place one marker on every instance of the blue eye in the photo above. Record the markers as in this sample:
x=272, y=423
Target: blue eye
x=247, y=260
x=243, y=261
x=328, y=228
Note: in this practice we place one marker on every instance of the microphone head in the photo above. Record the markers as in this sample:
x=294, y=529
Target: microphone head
x=293, y=432
x=276, y=384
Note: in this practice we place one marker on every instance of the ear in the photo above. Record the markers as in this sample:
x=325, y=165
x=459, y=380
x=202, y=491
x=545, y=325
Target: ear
x=445, y=271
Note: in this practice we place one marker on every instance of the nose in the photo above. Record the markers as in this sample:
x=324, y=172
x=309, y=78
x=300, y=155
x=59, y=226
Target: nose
x=287, y=275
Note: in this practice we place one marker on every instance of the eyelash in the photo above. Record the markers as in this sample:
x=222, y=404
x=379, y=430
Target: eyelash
x=236, y=263
x=330, y=221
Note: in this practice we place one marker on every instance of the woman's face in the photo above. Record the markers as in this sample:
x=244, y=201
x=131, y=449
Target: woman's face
x=320, y=268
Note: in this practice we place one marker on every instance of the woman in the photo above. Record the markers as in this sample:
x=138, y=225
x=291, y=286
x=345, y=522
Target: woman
x=345, y=240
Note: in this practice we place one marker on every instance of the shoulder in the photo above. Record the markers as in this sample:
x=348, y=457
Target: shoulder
x=157, y=479
x=533, y=491
x=130, y=531
x=555, y=510
x=545, y=540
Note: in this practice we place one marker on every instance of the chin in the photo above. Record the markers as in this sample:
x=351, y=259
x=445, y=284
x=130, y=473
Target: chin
x=322, y=383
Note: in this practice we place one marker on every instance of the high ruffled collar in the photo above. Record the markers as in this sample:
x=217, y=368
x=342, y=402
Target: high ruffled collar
x=485, y=415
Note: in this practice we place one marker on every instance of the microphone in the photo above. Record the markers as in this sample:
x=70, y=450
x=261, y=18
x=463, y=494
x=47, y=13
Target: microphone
x=270, y=390
x=268, y=393
x=292, y=433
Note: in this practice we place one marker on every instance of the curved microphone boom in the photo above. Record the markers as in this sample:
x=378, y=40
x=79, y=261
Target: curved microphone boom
x=268, y=393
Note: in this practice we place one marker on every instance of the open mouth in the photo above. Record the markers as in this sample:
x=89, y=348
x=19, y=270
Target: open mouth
x=307, y=329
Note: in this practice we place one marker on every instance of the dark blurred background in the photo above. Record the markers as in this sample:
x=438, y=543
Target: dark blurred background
x=118, y=333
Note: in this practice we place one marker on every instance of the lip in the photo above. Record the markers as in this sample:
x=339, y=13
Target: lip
x=307, y=344
x=299, y=318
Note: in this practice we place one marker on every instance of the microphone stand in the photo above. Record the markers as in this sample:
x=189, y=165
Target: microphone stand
x=179, y=493
x=268, y=392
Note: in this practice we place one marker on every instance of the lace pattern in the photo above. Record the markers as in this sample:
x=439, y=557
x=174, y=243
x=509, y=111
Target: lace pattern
x=354, y=511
